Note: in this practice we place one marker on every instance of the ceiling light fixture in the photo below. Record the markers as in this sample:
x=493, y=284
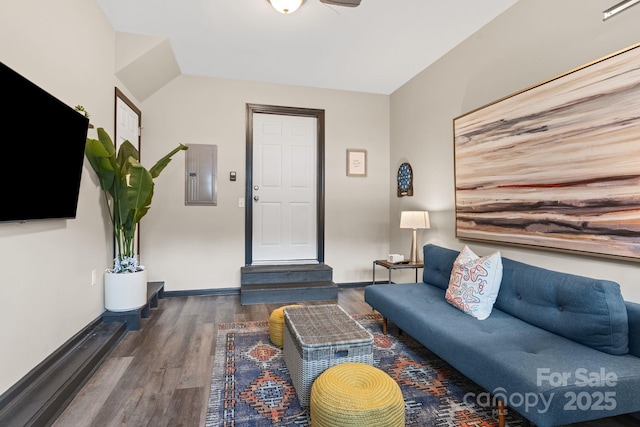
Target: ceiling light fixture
x=618, y=8
x=289, y=6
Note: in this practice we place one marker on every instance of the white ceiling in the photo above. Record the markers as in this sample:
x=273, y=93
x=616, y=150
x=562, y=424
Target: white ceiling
x=376, y=47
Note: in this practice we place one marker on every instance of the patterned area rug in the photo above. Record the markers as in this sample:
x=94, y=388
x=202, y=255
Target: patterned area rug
x=251, y=386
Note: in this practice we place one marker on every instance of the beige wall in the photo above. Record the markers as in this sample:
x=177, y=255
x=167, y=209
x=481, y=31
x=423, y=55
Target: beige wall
x=202, y=247
x=68, y=48
x=46, y=296
x=531, y=42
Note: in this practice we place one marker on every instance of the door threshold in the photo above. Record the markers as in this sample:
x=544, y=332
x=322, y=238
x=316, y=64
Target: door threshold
x=286, y=262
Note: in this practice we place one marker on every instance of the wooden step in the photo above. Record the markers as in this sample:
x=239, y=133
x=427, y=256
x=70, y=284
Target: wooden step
x=290, y=273
x=276, y=293
x=268, y=284
x=41, y=395
x=133, y=318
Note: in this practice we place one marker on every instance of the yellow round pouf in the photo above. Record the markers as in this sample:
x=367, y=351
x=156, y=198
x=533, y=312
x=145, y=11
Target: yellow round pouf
x=355, y=394
x=276, y=325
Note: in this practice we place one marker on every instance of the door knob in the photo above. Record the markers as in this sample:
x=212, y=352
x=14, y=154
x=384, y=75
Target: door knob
x=256, y=198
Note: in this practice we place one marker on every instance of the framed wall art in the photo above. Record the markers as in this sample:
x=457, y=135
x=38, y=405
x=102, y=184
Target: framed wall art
x=356, y=162
x=557, y=165
x=405, y=180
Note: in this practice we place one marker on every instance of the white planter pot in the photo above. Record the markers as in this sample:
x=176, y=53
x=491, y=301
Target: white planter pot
x=125, y=291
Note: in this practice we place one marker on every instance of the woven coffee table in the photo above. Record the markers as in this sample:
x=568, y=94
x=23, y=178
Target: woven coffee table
x=317, y=337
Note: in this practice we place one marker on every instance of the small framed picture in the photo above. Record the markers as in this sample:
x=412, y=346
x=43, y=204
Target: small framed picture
x=356, y=162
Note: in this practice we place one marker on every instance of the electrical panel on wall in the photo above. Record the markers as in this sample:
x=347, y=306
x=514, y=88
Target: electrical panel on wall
x=201, y=175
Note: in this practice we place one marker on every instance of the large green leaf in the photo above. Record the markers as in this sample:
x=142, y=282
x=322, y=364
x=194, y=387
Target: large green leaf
x=128, y=183
x=140, y=184
x=163, y=162
x=99, y=159
x=106, y=141
x=125, y=151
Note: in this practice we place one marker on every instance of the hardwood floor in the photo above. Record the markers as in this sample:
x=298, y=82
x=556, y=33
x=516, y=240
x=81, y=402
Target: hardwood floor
x=160, y=376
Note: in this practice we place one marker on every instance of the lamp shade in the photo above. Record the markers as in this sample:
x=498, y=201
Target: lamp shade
x=414, y=219
x=286, y=6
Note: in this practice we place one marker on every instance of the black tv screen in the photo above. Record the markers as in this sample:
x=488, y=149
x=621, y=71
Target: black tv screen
x=42, y=144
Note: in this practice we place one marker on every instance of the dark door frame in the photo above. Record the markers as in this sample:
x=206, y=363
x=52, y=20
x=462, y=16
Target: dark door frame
x=248, y=223
x=138, y=144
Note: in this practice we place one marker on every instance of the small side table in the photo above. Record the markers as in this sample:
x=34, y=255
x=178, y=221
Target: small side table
x=395, y=266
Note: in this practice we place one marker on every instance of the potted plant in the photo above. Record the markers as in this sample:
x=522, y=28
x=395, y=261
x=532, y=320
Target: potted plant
x=80, y=109
x=128, y=189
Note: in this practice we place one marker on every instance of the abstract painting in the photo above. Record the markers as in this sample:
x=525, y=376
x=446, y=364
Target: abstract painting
x=557, y=165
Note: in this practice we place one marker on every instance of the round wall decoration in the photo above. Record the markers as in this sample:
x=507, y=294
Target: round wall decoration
x=405, y=180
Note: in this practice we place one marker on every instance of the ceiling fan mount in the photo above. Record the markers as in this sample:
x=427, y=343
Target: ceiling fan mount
x=347, y=3
x=290, y=6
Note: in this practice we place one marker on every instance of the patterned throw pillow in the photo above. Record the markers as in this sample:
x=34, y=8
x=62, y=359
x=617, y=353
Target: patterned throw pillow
x=474, y=283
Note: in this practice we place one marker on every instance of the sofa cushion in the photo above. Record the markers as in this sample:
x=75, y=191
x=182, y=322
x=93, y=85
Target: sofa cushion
x=474, y=283
x=589, y=311
x=511, y=358
x=633, y=314
x=438, y=262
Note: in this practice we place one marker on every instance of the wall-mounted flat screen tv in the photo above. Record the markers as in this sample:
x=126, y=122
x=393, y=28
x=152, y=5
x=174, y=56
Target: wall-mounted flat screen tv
x=42, y=147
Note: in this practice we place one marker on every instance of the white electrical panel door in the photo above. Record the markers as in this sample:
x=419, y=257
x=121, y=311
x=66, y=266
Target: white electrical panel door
x=201, y=175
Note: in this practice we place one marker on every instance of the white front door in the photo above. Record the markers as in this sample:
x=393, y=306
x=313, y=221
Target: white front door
x=284, y=189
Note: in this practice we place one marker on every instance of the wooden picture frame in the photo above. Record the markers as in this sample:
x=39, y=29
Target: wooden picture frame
x=356, y=162
x=556, y=166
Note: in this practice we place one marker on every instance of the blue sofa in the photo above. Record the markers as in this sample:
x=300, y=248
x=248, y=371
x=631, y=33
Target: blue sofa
x=557, y=348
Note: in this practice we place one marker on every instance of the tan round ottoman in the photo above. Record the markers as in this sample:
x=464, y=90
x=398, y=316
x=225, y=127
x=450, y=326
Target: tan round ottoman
x=276, y=325
x=358, y=395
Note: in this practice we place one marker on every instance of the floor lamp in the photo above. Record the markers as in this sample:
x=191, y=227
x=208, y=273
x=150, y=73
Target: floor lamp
x=414, y=220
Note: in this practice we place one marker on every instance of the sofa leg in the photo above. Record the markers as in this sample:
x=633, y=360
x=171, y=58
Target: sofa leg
x=384, y=326
x=501, y=413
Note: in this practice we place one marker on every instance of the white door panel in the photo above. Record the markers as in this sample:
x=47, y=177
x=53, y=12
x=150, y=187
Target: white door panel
x=271, y=213
x=300, y=232
x=128, y=124
x=284, y=189
x=128, y=129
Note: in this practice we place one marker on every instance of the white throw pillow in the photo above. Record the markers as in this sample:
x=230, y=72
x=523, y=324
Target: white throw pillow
x=474, y=283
